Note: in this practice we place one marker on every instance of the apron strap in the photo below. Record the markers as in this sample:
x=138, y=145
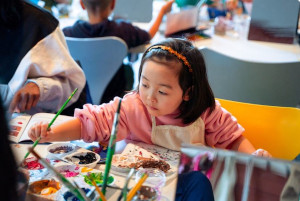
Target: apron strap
x=153, y=122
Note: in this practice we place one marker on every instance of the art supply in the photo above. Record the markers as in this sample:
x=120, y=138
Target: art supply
x=98, y=189
x=70, y=196
x=111, y=147
x=147, y=193
x=125, y=188
x=83, y=158
x=98, y=178
x=42, y=185
x=65, y=181
x=54, y=118
x=68, y=170
x=137, y=187
x=61, y=148
x=156, y=178
x=86, y=159
x=200, y=3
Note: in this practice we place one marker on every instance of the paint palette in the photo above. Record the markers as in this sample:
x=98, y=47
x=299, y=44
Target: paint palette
x=83, y=158
x=74, y=173
x=98, y=178
x=68, y=170
x=31, y=163
x=147, y=193
x=69, y=196
x=59, y=150
x=45, y=189
x=136, y=153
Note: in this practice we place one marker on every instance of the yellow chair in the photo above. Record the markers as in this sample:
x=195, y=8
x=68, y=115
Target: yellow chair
x=276, y=129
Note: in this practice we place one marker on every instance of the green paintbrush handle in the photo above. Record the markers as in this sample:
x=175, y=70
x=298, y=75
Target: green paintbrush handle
x=52, y=121
x=111, y=147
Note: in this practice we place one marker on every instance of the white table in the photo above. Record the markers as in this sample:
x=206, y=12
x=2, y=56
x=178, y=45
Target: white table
x=251, y=51
x=242, y=49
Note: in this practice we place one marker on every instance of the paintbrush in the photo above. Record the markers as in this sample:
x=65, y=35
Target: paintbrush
x=52, y=121
x=125, y=188
x=200, y=3
x=98, y=189
x=137, y=187
x=66, y=182
x=111, y=147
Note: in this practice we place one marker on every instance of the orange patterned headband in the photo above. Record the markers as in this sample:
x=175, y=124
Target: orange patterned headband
x=178, y=55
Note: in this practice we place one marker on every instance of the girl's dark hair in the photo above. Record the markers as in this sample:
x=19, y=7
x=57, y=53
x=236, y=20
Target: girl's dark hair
x=10, y=12
x=200, y=93
x=8, y=167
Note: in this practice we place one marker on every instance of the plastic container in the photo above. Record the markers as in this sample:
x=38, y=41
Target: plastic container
x=83, y=159
x=146, y=193
x=59, y=150
x=156, y=178
x=68, y=170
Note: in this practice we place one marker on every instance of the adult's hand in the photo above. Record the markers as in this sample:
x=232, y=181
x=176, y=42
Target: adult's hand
x=26, y=98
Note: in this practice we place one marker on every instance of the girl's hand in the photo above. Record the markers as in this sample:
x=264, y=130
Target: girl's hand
x=262, y=152
x=39, y=130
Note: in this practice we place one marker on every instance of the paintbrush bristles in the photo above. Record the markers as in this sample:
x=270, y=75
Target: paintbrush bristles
x=34, y=153
x=98, y=190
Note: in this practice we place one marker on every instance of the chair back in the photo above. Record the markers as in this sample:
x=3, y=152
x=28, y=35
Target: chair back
x=100, y=59
x=275, y=129
x=252, y=82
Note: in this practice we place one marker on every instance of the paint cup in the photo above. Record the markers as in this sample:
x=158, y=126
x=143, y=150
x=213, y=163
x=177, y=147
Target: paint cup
x=59, y=150
x=46, y=189
x=146, y=193
x=83, y=159
x=156, y=178
x=69, y=196
x=68, y=170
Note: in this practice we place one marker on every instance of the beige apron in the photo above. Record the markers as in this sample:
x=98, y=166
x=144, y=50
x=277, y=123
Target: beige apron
x=171, y=137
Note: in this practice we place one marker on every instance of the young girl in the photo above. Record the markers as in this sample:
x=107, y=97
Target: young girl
x=173, y=104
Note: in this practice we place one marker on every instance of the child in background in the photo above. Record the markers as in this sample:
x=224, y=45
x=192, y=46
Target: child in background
x=173, y=104
x=99, y=25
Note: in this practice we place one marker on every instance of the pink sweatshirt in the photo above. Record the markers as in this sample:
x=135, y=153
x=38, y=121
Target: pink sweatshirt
x=221, y=128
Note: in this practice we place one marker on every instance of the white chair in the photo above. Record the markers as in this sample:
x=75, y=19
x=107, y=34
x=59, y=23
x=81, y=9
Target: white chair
x=274, y=84
x=100, y=59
